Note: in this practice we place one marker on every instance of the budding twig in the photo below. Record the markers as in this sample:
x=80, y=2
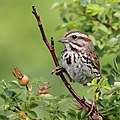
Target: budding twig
x=86, y=105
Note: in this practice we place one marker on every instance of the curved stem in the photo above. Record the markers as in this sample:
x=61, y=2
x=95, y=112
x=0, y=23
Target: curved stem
x=86, y=105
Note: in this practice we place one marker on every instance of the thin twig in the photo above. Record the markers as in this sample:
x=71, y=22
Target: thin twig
x=86, y=105
x=106, y=24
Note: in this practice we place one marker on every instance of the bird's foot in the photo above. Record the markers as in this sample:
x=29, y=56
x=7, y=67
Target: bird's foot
x=58, y=70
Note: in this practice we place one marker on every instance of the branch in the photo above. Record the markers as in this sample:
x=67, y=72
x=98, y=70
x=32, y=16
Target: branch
x=86, y=105
x=106, y=24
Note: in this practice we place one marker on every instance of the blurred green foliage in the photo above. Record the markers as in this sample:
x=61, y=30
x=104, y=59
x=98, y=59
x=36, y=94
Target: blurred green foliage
x=20, y=41
x=32, y=104
x=20, y=45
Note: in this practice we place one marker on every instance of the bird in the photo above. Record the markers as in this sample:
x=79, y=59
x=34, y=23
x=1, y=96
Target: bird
x=79, y=58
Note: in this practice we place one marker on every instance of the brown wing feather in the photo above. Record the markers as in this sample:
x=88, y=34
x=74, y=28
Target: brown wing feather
x=95, y=60
x=93, y=56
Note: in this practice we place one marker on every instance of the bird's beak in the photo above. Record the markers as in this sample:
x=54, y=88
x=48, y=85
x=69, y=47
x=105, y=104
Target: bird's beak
x=63, y=40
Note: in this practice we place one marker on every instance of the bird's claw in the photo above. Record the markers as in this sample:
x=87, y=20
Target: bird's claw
x=58, y=70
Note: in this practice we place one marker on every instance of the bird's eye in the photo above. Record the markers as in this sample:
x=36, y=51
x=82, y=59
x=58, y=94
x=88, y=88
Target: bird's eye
x=74, y=37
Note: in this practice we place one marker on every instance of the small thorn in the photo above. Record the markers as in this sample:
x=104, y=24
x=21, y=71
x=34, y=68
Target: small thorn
x=52, y=42
x=33, y=9
x=33, y=6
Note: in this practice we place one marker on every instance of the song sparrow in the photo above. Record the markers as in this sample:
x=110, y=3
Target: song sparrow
x=79, y=58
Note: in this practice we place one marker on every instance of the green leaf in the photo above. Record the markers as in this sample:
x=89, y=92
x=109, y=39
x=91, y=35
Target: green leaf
x=94, y=81
x=117, y=84
x=104, y=72
x=118, y=59
x=32, y=114
x=93, y=39
x=112, y=98
x=47, y=96
x=104, y=29
x=83, y=114
x=113, y=41
x=111, y=79
x=113, y=89
x=72, y=113
x=2, y=96
x=33, y=105
x=117, y=14
x=55, y=5
x=3, y=84
x=115, y=65
x=93, y=9
x=7, y=93
x=3, y=117
x=14, y=84
x=79, y=115
x=107, y=66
